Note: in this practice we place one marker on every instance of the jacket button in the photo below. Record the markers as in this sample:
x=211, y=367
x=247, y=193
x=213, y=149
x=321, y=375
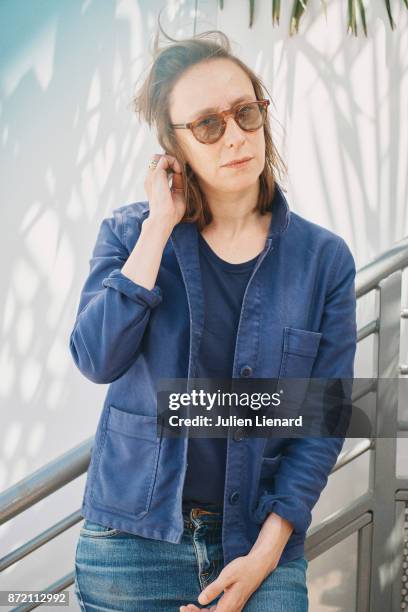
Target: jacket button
x=239, y=434
x=246, y=371
x=234, y=497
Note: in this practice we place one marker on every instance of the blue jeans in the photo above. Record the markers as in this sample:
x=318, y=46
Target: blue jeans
x=121, y=571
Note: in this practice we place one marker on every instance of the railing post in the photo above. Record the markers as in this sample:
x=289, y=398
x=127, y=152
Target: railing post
x=399, y=593
x=363, y=568
x=382, y=479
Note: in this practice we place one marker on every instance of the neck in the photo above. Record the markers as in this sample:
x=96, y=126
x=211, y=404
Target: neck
x=232, y=213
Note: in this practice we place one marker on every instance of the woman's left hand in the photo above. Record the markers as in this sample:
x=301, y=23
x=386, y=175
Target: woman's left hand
x=239, y=579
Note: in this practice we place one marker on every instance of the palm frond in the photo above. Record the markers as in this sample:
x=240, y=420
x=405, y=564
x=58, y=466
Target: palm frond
x=251, y=12
x=276, y=11
x=298, y=9
x=352, y=21
x=388, y=7
x=362, y=15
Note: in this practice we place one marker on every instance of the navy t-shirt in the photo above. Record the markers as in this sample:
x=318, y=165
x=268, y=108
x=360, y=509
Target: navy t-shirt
x=224, y=286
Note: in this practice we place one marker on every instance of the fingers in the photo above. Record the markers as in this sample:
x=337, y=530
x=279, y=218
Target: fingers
x=155, y=157
x=164, y=187
x=215, y=588
x=166, y=162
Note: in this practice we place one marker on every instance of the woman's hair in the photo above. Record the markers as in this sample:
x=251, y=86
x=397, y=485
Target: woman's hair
x=152, y=102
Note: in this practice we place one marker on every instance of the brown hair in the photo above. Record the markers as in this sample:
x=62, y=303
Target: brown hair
x=151, y=102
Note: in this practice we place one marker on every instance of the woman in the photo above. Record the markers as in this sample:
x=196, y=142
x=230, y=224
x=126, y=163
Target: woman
x=212, y=277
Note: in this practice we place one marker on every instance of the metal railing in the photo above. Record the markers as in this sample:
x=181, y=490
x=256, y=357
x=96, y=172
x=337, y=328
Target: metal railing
x=375, y=515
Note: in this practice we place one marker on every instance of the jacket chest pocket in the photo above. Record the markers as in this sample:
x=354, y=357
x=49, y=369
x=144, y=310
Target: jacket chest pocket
x=127, y=464
x=300, y=347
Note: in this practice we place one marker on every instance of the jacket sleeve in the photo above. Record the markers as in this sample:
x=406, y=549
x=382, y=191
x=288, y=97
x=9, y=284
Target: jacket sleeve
x=307, y=462
x=113, y=310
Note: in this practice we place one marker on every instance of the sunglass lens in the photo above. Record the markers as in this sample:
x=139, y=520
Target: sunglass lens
x=209, y=129
x=251, y=117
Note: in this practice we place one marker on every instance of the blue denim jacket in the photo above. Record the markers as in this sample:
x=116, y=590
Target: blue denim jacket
x=298, y=319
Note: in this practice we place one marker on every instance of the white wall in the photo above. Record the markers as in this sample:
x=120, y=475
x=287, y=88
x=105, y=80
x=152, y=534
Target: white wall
x=71, y=151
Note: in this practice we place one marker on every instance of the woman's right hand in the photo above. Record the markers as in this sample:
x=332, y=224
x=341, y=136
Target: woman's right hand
x=167, y=205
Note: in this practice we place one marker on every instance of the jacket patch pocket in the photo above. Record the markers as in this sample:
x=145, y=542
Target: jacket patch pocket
x=300, y=347
x=128, y=460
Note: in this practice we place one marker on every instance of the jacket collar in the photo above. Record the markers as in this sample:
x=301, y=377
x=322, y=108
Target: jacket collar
x=280, y=213
x=184, y=238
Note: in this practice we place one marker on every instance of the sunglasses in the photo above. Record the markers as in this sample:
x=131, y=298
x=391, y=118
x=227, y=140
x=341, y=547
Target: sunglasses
x=250, y=116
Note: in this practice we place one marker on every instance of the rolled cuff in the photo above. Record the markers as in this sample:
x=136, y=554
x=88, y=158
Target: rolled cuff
x=120, y=282
x=299, y=516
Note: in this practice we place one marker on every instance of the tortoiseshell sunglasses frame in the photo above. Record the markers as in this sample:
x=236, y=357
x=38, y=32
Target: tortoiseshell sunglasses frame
x=223, y=114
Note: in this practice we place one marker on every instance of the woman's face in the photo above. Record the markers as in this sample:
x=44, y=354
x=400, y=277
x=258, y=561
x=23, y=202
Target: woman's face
x=217, y=83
